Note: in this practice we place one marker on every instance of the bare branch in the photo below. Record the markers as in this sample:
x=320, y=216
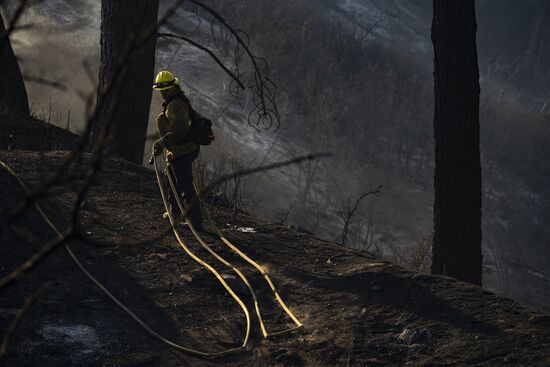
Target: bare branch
x=70, y=232
x=265, y=110
x=12, y=25
x=203, y=48
x=48, y=83
x=70, y=170
x=348, y=212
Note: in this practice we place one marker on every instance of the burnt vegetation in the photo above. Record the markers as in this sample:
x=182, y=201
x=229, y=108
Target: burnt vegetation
x=379, y=101
x=354, y=97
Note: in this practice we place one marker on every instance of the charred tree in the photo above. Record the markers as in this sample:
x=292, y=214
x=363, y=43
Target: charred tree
x=457, y=207
x=13, y=95
x=124, y=24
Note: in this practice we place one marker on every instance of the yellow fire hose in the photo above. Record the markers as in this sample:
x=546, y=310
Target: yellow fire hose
x=237, y=251
x=198, y=260
x=255, y=265
x=126, y=309
x=204, y=244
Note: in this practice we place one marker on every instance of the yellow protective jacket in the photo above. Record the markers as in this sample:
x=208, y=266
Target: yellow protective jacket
x=174, y=127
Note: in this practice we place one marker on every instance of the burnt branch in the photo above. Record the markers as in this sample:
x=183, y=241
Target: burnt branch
x=12, y=24
x=208, y=51
x=46, y=82
x=264, y=112
x=72, y=171
x=349, y=211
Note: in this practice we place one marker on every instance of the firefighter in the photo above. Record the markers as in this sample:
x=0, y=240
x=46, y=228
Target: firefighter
x=176, y=141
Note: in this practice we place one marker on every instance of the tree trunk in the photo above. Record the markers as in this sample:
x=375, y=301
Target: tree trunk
x=457, y=207
x=13, y=95
x=127, y=104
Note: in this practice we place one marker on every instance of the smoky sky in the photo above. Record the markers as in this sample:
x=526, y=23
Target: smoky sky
x=62, y=34
x=57, y=38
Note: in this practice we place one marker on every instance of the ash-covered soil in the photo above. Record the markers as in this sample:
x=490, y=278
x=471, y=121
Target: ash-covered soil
x=21, y=132
x=354, y=307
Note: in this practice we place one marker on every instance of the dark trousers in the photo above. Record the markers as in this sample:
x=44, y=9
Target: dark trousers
x=181, y=169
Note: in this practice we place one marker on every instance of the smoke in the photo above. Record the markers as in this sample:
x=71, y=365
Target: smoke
x=57, y=37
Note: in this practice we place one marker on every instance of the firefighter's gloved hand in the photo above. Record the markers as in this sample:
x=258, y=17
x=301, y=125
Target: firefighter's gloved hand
x=158, y=146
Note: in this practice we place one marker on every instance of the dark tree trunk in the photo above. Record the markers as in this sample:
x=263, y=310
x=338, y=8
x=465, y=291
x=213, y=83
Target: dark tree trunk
x=13, y=95
x=122, y=21
x=457, y=207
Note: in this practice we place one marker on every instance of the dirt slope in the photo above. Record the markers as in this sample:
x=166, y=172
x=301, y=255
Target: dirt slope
x=354, y=307
x=21, y=132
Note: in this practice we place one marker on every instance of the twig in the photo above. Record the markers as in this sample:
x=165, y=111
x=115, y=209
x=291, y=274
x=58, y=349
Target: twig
x=13, y=22
x=67, y=173
x=70, y=233
x=205, y=49
x=350, y=212
x=266, y=90
x=49, y=83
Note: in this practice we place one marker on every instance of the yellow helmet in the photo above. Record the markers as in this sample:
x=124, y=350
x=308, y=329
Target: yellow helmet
x=165, y=80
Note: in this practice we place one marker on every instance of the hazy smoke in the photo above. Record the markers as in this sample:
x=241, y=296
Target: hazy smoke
x=59, y=35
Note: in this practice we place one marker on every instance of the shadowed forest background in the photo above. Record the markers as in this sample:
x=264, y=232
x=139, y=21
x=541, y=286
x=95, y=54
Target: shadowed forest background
x=355, y=79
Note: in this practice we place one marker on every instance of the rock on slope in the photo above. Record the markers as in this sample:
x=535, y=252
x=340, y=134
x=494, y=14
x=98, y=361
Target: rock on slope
x=355, y=308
